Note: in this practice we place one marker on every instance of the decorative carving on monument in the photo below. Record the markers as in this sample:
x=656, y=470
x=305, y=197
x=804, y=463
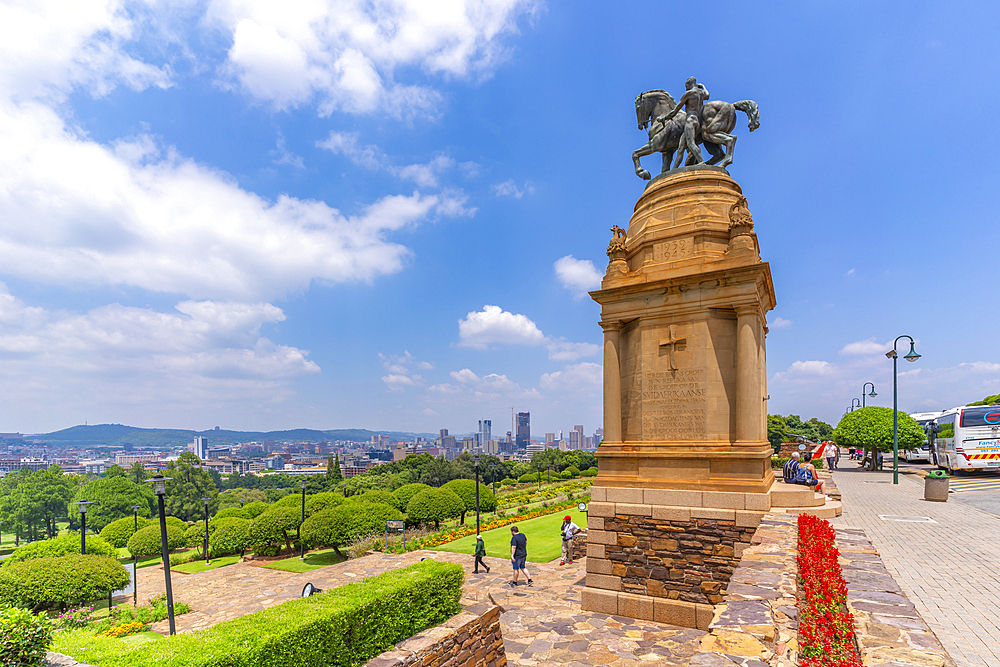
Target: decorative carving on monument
x=740, y=220
x=616, y=252
x=680, y=126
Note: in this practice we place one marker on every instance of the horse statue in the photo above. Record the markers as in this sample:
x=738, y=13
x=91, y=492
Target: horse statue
x=717, y=121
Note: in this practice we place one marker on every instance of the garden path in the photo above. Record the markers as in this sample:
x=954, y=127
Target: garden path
x=542, y=624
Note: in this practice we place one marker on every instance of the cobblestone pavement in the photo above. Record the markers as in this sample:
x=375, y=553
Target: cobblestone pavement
x=948, y=568
x=542, y=624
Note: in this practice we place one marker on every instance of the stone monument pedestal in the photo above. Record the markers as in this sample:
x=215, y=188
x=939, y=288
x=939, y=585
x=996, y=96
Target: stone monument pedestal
x=684, y=469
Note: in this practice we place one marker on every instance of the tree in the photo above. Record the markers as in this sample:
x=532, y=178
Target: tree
x=777, y=427
x=989, y=400
x=113, y=498
x=406, y=492
x=137, y=472
x=871, y=429
x=275, y=525
x=435, y=505
x=188, y=484
x=114, y=471
x=333, y=474
x=337, y=526
x=466, y=490
x=239, y=497
x=438, y=472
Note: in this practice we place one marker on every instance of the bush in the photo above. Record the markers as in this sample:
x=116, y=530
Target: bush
x=117, y=532
x=194, y=536
x=508, y=482
x=60, y=546
x=291, y=500
x=24, y=638
x=528, y=477
x=274, y=525
x=871, y=428
x=573, y=471
x=589, y=472
x=231, y=536
x=175, y=522
x=113, y=498
x=322, y=501
x=255, y=509
x=147, y=541
x=466, y=490
x=406, y=492
x=377, y=496
x=230, y=512
x=435, y=505
x=337, y=526
x=349, y=625
x=61, y=580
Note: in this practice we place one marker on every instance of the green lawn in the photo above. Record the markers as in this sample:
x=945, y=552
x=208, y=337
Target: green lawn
x=199, y=565
x=544, y=541
x=313, y=561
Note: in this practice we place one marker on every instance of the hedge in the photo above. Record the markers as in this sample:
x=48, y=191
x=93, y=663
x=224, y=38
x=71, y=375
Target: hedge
x=147, y=541
x=377, y=496
x=434, y=505
x=466, y=490
x=337, y=526
x=255, y=509
x=174, y=521
x=346, y=626
x=60, y=546
x=322, y=501
x=24, y=638
x=231, y=536
x=272, y=527
x=230, y=512
x=406, y=492
x=528, y=477
x=117, y=532
x=61, y=580
x=194, y=536
x=779, y=462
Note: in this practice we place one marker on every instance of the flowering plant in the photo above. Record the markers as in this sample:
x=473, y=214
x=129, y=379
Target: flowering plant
x=826, y=628
x=125, y=629
x=75, y=618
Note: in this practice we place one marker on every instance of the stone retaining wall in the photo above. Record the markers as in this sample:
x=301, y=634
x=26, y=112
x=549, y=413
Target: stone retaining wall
x=472, y=637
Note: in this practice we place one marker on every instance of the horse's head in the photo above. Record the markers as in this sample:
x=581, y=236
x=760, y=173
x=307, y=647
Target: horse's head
x=652, y=103
x=642, y=110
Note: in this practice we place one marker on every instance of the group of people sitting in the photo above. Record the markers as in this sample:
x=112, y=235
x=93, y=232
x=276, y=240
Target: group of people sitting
x=797, y=471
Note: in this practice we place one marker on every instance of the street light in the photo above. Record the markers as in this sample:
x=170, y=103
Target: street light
x=909, y=356
x=83, y=505
x=206, y=501
x=855, y=403
x=539, y=473
x=493, y=478
x=873, y=394
x=135, y=559
x=160, y=488
x=302, y=544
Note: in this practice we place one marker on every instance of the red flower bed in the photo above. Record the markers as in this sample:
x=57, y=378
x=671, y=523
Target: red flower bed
x=826, y=628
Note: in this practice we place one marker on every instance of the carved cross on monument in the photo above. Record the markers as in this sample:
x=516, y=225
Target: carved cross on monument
x=672, y=342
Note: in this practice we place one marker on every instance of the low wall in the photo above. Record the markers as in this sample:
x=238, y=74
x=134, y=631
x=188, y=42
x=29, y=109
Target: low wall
x=472, y=637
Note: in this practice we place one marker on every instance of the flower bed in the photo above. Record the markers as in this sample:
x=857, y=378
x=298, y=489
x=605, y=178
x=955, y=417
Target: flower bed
x=444, y=538
x=826, y=628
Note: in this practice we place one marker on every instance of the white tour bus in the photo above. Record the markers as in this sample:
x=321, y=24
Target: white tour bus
x=968, y=438
x=922, y=453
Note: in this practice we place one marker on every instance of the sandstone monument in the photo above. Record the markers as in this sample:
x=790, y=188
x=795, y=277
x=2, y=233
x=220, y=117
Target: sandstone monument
x=684, y=469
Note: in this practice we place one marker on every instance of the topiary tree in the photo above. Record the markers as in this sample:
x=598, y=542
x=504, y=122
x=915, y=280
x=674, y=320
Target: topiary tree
x=113, y=498
x=377, y=496
x=60, y=580
x=589, y=472
x=275, y=526
x=466, y=490
x=508, y=482
x=291, y=500
x=194, y=536
x=871, y=429
x=117, y=532
x=146, y=542
x=529, y=477
x=322, y=501
x=255, y=509
x=573, y=471
x=231, y=536
x=435, y=505
x=176, y=523
x=337, y=526
x=237, y=512
x=59, y=546
x=406, y=492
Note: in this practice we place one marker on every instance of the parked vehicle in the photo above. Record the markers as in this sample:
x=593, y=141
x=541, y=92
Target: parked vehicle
x=965, y=438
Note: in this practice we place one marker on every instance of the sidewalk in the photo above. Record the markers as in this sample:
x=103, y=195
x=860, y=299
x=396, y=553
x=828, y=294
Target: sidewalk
x=948, y=569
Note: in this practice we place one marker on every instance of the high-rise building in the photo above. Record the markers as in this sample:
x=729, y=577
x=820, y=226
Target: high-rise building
x=485, y=432
x=200, y=447
x=523, y=430
x=576, y=438
x=550, y=438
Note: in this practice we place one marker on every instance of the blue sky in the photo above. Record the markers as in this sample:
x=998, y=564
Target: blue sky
x=386, y=215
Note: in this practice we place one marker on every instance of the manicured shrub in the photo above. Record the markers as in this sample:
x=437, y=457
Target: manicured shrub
x=339, y=525
x=573, y=471
x=589, y=472
x=24, y=638
x=266, y=550
x=147, y=541
x=434, y=505
x=406, y=492
x=508, y=482
x=117, y=532
x=291, y=500
x=378, y=496
x=231, y=536
x=275, y=526
x=174, y=521
x=528, y=477
x=466, y=490
x=194, y=536
x=60, y=546
x=322, y=501
x=229, y=512
x=61, y=580
x=345, y=626
x=255, y=509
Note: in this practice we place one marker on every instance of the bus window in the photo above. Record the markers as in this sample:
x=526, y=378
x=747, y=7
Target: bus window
x=946, y=431
x=989, y=416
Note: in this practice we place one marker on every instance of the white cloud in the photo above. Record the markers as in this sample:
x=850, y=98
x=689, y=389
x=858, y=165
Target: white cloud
x=492, y=325
x=344, y=54
x=398, y=382
x=479, y=389
x=399, y=374
x=563, y=350
x=810, y=368
x=582, y=377
x=282, y=155
x=509, y=189
x=779, y=323
x=850, y=272
x=577, y=275
x=465, y=376
x=867, y=346
x=372, y=157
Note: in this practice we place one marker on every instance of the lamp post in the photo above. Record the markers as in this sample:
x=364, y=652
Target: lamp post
x=302, y=544
x=135, y=559
x=476, y=460
x=206, y=501
x=493, y=478
x=873, y=394
x=539, y=473
x=855, y=403
x=83, y=505
x=909, y=356
x=160, y=488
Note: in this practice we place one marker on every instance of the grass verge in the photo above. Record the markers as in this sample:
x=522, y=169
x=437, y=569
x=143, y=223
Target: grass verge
x=313, y=561
x=544, y=541
x=200, y=566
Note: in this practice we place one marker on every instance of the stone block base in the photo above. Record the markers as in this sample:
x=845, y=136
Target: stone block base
x=660, y=610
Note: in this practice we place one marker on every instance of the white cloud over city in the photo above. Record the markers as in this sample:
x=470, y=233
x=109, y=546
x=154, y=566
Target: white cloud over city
x=577, y=275
x=493, y=326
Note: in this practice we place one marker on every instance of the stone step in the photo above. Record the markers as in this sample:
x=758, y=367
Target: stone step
x=829, y=510
x=795, y=495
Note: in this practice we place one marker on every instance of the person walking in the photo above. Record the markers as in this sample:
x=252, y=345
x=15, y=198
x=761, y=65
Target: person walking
x=569, y=530
x=518, y=554
x=480, y=553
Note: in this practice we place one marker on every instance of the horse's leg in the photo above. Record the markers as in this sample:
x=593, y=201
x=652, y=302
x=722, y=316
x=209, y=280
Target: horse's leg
x=729, y=140
x=638, y=153
x=716, y=151
x=668, y=155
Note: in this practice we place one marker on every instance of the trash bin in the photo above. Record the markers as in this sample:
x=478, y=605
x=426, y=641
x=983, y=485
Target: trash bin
x=936, y=486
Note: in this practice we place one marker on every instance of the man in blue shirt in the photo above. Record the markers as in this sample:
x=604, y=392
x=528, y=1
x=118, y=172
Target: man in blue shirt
x=518, y=554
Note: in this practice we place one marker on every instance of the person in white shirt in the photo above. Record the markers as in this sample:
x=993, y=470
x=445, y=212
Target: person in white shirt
x=569, y=529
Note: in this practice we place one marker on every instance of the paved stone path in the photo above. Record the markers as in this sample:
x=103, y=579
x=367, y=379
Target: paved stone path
x=542, y=624
x=948, y=569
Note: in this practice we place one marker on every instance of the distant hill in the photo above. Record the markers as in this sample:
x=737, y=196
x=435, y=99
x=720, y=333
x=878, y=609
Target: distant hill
x=118, y=435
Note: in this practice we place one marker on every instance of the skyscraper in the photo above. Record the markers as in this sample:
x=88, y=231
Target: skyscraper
x=200, y=447
x=485, y=432
x=523, y=430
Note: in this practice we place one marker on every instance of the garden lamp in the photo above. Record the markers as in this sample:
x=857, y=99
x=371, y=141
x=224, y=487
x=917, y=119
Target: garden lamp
x=909, y=356
x=206, y=501
x=159, y=483
x=83, y=505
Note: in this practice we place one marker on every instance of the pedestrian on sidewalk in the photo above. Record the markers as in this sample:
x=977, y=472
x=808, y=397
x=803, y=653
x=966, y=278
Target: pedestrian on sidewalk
x=480, y=554
x=519, y=554
x=569, y=530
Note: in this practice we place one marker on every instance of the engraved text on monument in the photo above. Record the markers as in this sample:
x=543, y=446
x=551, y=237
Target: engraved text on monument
x=673, y=405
